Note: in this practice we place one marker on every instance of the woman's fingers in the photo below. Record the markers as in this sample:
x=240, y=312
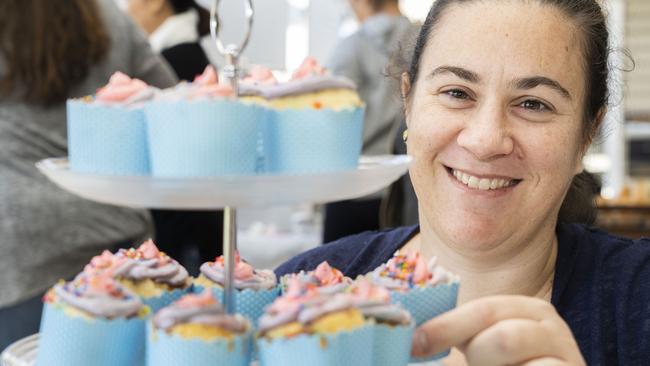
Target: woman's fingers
x=458, y=326
x=515, y=341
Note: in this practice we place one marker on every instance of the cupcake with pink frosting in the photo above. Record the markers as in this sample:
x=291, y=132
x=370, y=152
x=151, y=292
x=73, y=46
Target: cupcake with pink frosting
x=317, y=120
x=151, y=274
x=107, y=131
x=195, y=330
x=200, y=129
x=255, y=288
x=92, y=320
x=324, y=278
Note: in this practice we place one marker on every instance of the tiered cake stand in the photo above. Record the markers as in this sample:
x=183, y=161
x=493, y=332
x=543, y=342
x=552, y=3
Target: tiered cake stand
x=372, y=174
x=227, y=192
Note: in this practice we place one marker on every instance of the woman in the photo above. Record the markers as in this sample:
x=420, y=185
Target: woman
x=51, y=51
x=363, y=58
x=174, y=28
x=502, y=100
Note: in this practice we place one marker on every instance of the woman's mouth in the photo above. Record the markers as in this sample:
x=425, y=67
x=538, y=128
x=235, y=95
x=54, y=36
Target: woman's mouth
x=481, y=183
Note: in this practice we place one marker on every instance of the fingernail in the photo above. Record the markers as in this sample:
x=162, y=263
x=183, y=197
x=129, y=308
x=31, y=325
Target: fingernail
x=420, y=343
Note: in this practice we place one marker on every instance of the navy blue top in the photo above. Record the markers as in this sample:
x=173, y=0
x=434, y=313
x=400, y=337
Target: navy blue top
x=601, y=286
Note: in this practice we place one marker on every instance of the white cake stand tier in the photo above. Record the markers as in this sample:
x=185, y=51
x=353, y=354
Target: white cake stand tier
x=372, y=174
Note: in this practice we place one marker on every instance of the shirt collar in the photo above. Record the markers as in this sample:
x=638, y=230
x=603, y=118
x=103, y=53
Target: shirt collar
x=179, y=28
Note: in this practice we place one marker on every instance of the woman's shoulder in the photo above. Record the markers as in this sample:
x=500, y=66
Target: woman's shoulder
x=353, y=255
x=601, y=245
x=602, y=290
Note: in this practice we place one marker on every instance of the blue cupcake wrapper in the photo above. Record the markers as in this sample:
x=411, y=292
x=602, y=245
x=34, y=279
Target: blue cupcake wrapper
x=73, y=341
x=314, y=141
x=351, y=348
x=392, y=344
x=249, y=303
x=203, y=138
x=170, y=350
x=158, y=302
x=426, y=303
x=106, y=139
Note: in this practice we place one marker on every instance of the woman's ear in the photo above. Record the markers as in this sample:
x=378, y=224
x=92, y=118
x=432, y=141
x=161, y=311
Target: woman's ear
x=405, y=88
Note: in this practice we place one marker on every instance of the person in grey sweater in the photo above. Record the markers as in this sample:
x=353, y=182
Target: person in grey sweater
x=51, y=51
x=364, y=57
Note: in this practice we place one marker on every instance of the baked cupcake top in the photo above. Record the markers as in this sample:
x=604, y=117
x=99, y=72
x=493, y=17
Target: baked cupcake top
x=123, y=90
x=245, y=276
x=408, y=270
x=301, y=306
x=374, y=302
x=202, y=310
x=97, y=294
x=324, y=278
x=145, y=262
x=306, y=88
x=205, y=86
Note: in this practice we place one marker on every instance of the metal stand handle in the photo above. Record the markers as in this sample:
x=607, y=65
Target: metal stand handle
x=231, y=53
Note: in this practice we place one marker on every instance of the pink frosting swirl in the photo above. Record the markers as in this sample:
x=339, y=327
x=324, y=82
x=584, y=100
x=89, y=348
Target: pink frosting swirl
x=199, y=309
x=260, y=75
x=122, y=88
x=207, y=85
x=328, y=275
x=245, y=275
x=309, y=67
x=98, y=294
x=146, y=262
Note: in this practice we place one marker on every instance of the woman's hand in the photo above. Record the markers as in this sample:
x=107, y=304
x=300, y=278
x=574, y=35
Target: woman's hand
x=501, y=330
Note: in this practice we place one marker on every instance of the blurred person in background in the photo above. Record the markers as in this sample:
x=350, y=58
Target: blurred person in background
x=363, y=57
x=51, y=51
x=174, y=28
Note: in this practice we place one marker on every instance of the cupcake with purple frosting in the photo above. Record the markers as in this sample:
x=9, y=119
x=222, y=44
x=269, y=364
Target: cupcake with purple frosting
x=425, y=289
x=324, y=278
x=151, y=274
x=255, y=288
x=194, y=330
x=317, y=120
x=308, y=327
x=92, y=320
x=393, y=325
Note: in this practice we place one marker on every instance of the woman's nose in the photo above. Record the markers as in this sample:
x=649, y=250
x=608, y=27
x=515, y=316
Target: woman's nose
x=486, y=135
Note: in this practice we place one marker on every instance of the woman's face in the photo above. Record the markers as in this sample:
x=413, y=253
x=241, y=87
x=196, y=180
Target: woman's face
x=495, y=123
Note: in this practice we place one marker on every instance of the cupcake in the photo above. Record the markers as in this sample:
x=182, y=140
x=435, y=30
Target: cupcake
x=426, y=290
x=317, y=121
x=199, y=129
x=306, y=327
x=107, y=132
x=393, y=325
x=255, y=289
x=92, y=320
x=325, y=279
x=194, y=330
x=150, y=273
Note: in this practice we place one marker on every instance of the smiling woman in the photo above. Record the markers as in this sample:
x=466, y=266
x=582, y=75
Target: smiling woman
x=502, y=99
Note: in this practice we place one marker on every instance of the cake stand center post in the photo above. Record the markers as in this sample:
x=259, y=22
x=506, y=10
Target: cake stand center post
x=231, y=71
x=229, y=253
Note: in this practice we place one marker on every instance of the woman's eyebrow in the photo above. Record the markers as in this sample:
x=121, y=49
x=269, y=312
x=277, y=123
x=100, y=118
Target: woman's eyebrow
x=535, y=81
x=462, y=73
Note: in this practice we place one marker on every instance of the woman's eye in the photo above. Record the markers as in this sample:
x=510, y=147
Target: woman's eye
x=534, y=105
x=457, y=94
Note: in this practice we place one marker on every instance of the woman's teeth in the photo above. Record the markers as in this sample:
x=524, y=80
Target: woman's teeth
x=482, y=184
